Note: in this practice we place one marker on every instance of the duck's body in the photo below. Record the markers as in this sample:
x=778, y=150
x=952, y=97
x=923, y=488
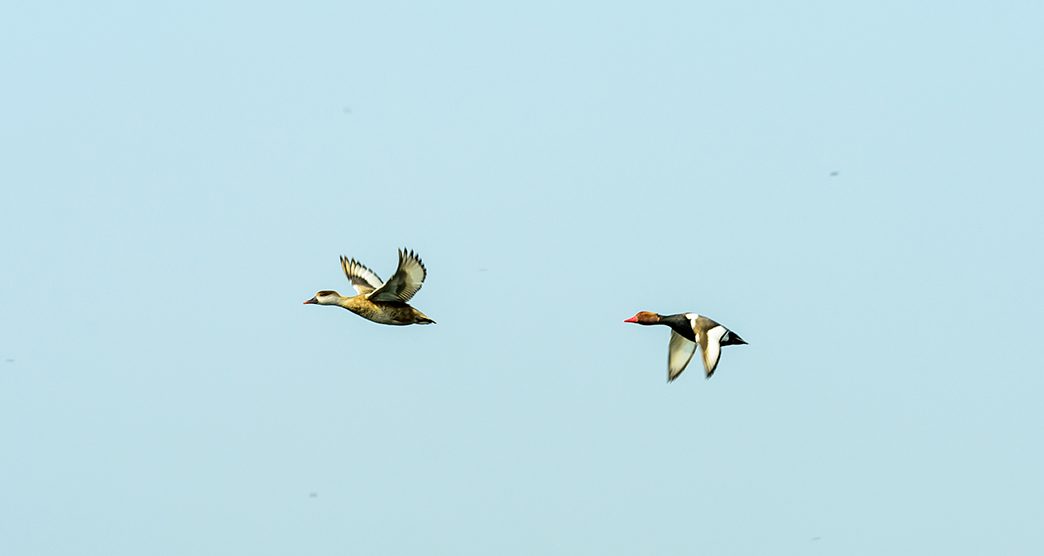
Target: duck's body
x=380, y=302
x=689, y=330
x=383, y=312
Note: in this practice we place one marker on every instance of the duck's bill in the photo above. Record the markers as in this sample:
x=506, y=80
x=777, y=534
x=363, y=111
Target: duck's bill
x=312, y=301
x=632, y=319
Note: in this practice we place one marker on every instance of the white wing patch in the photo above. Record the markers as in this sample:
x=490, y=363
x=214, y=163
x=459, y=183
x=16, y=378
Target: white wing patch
x=363, y=279
x=712, y=349
x=679, y=353
x=406, y=281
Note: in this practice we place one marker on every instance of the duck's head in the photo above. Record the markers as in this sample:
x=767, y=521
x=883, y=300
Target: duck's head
x=644, y=317
x=325, y=297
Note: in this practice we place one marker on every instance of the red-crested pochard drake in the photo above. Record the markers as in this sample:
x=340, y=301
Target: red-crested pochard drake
x=687, y=331
x=381, y=302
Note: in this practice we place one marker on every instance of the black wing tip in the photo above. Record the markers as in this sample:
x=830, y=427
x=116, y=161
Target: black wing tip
x=409, y=254
x=350, y=262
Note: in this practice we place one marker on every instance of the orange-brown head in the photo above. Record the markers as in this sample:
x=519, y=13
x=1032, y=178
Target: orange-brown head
x=644, y=317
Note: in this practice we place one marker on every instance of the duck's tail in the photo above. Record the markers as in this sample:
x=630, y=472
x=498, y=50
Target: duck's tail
x=732, y=339
x=421, y=318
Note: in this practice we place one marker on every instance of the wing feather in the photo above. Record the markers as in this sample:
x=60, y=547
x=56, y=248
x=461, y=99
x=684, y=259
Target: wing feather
x=363, y=279
x=407, y=280
x=679, y=353
x=710, y=343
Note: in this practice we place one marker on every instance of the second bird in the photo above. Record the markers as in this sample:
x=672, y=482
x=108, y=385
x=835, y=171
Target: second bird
x=689, y=330
x=381, y=302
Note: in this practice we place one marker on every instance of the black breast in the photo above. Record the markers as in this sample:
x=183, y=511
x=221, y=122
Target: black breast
x=681, y=325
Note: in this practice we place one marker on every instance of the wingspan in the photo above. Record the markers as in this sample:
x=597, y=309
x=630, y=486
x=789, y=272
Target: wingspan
x=363, y=279
x=679, y=352
x=406, y=281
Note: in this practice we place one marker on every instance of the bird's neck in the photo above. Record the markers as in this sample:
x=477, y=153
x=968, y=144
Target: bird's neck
x=343, y=301
x=679, y=323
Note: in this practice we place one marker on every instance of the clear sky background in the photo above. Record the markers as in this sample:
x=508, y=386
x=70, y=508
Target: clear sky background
x=178, y=177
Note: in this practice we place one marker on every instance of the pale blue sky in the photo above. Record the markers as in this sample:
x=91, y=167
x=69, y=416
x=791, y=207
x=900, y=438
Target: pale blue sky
x=179, y=177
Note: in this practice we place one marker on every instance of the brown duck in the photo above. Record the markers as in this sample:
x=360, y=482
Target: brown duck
x=381, y=302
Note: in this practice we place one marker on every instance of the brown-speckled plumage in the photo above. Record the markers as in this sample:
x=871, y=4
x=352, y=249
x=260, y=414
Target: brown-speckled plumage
x=384, y=312
x=381, y=302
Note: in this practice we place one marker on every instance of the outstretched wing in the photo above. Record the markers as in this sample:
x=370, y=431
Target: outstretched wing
x=679, y=352
x=363, y=279
x=406, y=281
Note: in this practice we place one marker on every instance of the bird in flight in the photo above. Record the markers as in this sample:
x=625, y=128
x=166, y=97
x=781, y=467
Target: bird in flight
x=689, y=330
x=381, y=302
